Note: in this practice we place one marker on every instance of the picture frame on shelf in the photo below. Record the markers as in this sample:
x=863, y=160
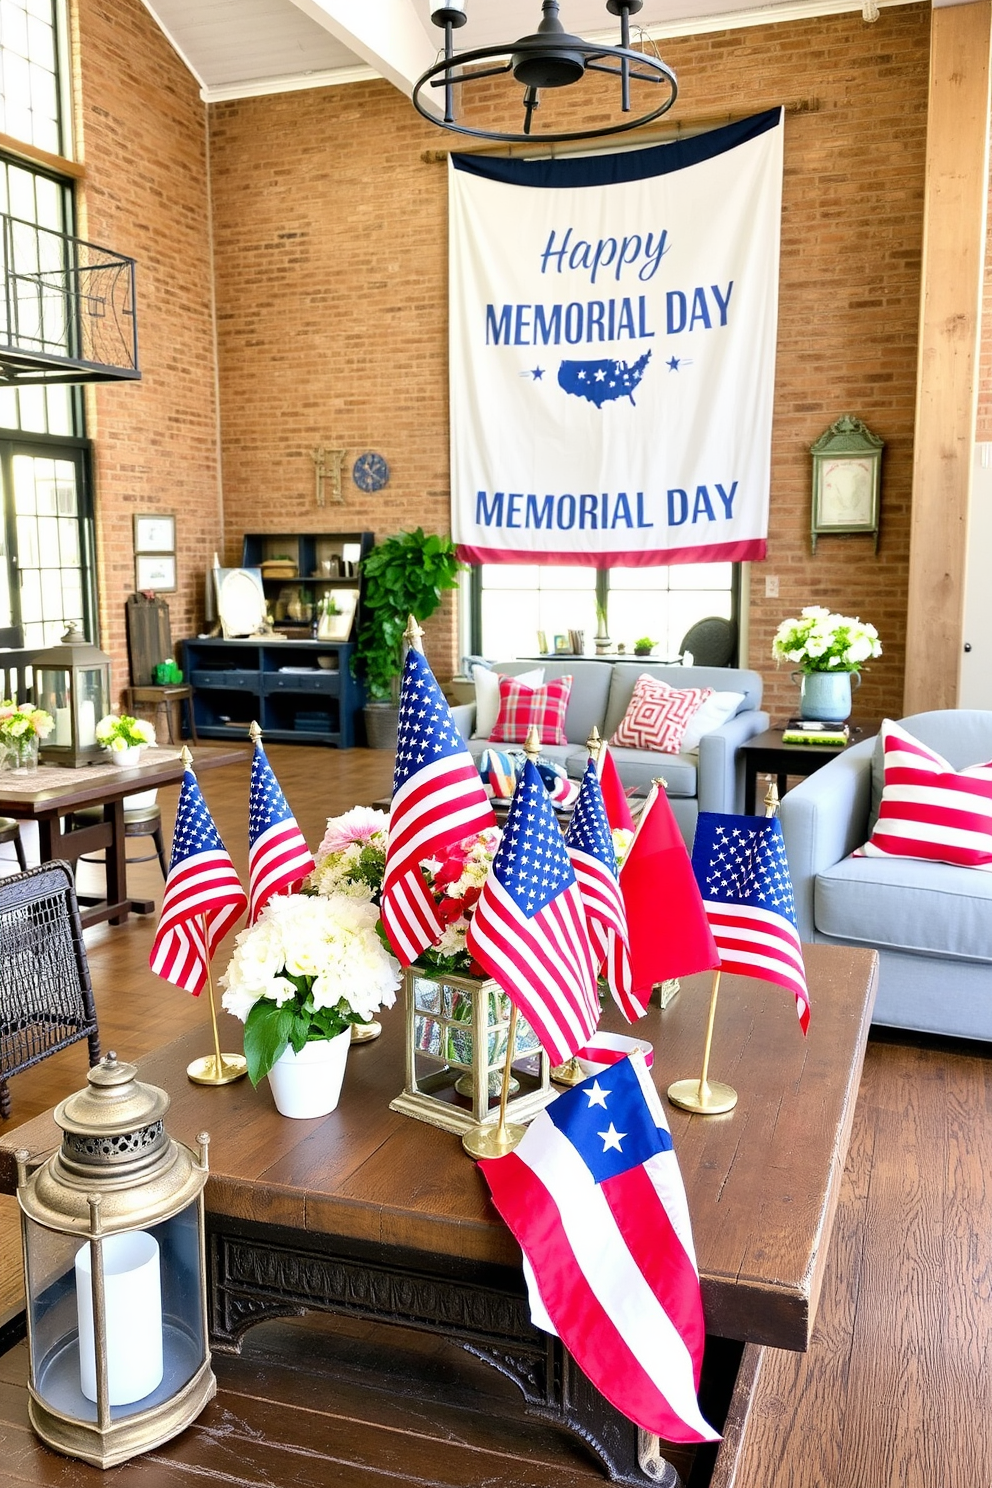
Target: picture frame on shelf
x=337, y=627
x=154, y=533
x=155, y=571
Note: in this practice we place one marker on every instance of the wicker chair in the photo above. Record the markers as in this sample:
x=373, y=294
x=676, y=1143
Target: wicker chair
x=46, y=1001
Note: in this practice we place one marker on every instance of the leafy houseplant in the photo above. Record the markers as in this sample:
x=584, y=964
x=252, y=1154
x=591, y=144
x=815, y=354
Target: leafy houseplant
x=644, y=646
x=403, y=576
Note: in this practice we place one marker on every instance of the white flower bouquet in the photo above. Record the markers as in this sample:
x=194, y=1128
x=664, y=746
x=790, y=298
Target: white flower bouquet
x=119, y=731
x=819, y=641
x=309, y=967
x=351, y=859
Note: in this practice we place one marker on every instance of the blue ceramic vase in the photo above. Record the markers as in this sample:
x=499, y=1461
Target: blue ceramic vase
x=826, y=696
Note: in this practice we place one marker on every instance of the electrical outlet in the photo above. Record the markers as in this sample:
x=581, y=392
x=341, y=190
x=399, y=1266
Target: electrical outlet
x=771, y=586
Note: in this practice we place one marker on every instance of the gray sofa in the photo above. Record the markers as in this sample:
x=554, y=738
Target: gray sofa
x=930, y=922
x=708, y=780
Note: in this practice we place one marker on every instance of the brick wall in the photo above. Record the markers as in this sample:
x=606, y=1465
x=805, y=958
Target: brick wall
x=331, y=288
x=141, y=134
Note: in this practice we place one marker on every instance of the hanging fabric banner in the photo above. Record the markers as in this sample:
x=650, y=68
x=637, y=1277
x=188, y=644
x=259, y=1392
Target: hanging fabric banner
x=612, y=351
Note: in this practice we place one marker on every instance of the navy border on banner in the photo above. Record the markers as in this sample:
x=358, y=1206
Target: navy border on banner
x=613, y=168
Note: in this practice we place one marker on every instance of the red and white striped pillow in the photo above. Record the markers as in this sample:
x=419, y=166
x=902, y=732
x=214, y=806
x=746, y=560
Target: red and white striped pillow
x=929, y=809
x=657, y=715
x=520, y=707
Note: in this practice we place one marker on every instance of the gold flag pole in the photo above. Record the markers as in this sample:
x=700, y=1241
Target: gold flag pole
x=700, y=1095
x=215, y=1068
x=569, y=1073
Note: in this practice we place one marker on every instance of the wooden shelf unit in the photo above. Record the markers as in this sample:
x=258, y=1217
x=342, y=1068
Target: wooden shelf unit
x=310, y=553
x=280, y=684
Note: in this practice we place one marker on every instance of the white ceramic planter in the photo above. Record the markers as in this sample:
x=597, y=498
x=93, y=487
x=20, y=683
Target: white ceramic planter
x=309, y=1083
x=126, y=759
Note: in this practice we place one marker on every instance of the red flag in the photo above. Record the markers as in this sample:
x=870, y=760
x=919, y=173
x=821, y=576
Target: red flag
x=669, y=933
x=614, y=799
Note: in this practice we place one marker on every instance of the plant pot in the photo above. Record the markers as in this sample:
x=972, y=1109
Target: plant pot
x=826, y=696
x=309, y=1084
x=381, y=723
x=126, y=759
x=21, y=755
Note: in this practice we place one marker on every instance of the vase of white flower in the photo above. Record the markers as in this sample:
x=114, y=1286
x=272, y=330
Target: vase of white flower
x=828, y=651
x=309, y=968
x=124, y=737
x=21, y=728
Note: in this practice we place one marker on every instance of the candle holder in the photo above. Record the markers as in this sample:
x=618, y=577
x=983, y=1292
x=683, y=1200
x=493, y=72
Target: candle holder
x=112, y=1230
x=72, y=683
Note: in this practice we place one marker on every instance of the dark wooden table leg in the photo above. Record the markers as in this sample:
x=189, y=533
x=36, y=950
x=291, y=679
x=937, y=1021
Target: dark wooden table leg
x=113, y=813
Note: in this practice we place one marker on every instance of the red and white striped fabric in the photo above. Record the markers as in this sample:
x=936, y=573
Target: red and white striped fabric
x=606, y=1049
x=590, y=850
x=657, y=715
x=520, y=708
x=594, y=1197
x=278, y=856
x=929, y=809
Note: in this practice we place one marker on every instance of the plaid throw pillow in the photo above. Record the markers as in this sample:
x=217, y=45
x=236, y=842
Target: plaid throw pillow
x=521, y=707
x=657, y=716
x=929, y=809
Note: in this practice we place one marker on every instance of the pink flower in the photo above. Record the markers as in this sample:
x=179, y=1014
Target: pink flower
x=360, y=824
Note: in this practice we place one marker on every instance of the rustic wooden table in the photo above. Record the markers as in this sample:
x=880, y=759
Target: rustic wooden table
x=376, y=1216
x=55, y=791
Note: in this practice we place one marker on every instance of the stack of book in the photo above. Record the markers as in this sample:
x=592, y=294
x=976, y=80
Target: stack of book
x=808, y=731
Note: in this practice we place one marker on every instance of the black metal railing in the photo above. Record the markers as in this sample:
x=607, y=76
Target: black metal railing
x=67, y=310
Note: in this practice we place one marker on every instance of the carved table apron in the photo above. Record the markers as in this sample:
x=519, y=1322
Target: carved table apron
x=369, y=1213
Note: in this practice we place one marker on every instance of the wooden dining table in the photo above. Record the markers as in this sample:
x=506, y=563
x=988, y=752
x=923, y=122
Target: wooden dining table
x=53, y=792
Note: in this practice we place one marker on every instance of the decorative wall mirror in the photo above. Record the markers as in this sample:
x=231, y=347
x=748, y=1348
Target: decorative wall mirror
x=847, y=462
x=240, y=601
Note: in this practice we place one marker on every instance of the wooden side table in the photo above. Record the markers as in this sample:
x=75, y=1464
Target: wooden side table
x=162, y=698
x=765, y=754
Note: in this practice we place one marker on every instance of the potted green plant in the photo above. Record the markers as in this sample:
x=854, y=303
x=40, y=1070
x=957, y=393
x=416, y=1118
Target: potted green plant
x=644, y=646
x=402, y=576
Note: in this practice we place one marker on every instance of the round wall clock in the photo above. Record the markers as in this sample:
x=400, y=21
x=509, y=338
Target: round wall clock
x=370, y=472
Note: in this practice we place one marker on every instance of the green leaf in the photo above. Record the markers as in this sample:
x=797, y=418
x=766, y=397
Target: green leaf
x=267, y=1030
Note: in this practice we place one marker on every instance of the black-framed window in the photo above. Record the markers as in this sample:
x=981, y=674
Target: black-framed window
x=47, y=564
x=512, y=604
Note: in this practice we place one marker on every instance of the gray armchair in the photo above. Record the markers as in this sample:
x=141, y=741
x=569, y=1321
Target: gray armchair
x=930, y=922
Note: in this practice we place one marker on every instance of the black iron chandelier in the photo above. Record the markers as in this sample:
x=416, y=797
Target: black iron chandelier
x=550, y=58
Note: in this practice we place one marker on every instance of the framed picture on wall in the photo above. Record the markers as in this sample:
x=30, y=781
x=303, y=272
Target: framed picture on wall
x=155, y=571
x=154, y=534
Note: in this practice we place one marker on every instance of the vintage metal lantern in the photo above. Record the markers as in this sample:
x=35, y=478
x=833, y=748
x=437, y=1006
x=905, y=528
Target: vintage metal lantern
x=72, y=683
x=114, y=1274
x=456, y=1037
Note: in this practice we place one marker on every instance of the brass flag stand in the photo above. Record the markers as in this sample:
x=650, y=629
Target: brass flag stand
x=712, y=1098
x=569, y=1073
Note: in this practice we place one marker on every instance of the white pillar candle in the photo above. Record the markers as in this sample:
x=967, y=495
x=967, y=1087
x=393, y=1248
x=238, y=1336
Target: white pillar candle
x=133, y=1310
x=87, y=723
x=63, y=727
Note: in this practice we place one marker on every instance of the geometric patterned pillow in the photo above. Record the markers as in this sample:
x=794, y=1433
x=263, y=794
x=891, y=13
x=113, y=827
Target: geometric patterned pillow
x=521, y=707
x=929, y=809
x=657, y=715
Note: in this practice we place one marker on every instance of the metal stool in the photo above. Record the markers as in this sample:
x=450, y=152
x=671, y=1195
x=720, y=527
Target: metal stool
x=139, y=821
x=10, y=831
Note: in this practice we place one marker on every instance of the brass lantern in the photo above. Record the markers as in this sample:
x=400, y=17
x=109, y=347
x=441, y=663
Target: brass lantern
x=112, y=1228
x=72, y=683
x=456, y=1036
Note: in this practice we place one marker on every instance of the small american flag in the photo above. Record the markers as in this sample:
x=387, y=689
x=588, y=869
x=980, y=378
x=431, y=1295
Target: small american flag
x=278, y=856
x=529, y=927
x=203, y=895
x=438, y=799
x=590, y=850
x=743, y=875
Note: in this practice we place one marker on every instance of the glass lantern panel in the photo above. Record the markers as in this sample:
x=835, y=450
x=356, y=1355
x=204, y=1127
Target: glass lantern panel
x=92, y=703
x=53, y=690
x=152, y=1321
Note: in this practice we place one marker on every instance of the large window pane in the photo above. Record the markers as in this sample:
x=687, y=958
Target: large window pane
x=48, y=527
x=29, y=79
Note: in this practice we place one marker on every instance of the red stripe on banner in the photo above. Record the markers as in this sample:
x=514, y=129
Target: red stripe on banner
x=582, y=1323
x=659, y=1255
x=750, y=549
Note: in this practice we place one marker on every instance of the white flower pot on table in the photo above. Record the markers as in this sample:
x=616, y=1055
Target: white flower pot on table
x=309, y=1084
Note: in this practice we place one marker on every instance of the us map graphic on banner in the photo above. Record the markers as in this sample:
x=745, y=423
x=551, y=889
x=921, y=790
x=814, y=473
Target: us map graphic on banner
x=612, y=351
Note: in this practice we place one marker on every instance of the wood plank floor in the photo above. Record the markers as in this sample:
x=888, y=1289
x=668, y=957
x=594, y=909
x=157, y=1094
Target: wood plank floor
x=895, y=1392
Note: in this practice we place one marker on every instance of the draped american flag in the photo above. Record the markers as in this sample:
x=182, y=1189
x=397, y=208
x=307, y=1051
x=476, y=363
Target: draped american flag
x=529, y=927
x=438, y=799
x=590, y=850
x=203, y=895
x=278, y=856
x=594, y=1197
x=743, y=875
